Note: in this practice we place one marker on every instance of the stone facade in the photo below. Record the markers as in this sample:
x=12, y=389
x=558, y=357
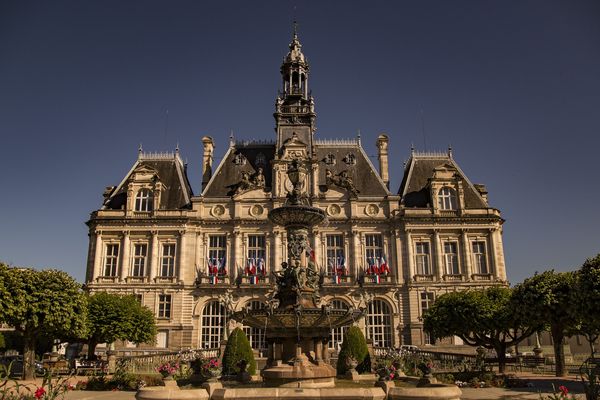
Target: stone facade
x=195, y=258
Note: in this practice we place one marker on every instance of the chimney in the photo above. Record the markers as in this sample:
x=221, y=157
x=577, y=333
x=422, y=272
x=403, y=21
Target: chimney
x=382, y=155
x=207, y=159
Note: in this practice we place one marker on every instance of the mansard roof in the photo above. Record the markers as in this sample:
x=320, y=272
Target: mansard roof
x=169, y=170
x=241, y=157
x=420, y=168
x=361, y=170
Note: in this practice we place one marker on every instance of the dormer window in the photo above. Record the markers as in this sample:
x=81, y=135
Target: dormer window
x=350, y=159
x=144, y=200
x=239, y=159
x=260, y=160
x=447, y=199
x=330, y=159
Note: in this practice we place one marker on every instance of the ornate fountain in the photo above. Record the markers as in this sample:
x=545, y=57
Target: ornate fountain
x=298, y=324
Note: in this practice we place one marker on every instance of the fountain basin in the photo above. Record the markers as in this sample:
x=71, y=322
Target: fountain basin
x=300, y=394
x=432, y=392
x=297, y=215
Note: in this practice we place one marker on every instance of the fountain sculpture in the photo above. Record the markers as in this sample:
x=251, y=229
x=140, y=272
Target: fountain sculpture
x=298, y=324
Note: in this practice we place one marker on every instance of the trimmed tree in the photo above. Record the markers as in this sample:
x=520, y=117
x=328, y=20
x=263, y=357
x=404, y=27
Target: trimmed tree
x=480, y=318
x=237, y=349
x=548, y=299
x=47, y=302
x=118, y=317
x=355, y=346
x=587, y=298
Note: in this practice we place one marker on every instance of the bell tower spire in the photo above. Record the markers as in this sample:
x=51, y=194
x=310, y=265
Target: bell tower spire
x=294, y=107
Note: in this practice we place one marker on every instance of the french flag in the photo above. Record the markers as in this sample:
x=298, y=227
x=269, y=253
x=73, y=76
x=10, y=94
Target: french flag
x=222, y=266
x=212, y=267
x=376, y=279
x=383, y=266
x=214, y=279
x=261, y=266
x=250, y=267
x=253, y=280
x=341, y=267
x=336, y=279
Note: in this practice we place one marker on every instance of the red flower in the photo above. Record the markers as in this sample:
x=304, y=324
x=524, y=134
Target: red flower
x=563, y=389
x=40, y=392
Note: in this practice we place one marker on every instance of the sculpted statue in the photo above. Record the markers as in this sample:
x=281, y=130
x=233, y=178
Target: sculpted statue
x=257, y=181
x=342, y=180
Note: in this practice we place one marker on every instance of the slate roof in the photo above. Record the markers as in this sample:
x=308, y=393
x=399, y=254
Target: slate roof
x=365, y=177
x=171, y=173
x=363, y=173
x=229, y=172
x=414, y=188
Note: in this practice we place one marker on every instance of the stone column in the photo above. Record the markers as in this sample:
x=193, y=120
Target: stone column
x=496, y=254
x=237, y=251
x=410, y=257
x=356, y=259
x=467, y=255
x=154, y=256
x=97, y=269
x=439, y=259
x=125, y=256
x=319, y=351
x=182, y=262
x=276, y=250
x=268, y=261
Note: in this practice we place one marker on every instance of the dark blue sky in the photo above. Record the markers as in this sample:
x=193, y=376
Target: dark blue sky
x=513, y=86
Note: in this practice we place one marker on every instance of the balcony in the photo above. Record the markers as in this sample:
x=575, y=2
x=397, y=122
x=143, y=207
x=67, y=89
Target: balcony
x=107, y=279
x=373, y=279
x=252, y=280
x=454, y=278
x=212, y=280
x=136, y=279
x=423, y=278
x=343, y=280
x=165, y=279
x=482, y=277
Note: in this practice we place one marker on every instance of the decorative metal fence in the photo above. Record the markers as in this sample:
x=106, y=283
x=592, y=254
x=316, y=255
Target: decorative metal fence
x=148, y=363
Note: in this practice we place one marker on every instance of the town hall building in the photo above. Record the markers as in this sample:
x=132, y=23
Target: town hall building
x=196, y=257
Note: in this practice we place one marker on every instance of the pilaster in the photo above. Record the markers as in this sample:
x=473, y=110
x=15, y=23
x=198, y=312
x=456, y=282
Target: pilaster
x=466, y=245
x=439, y=259
x=124, y=256
x=154, y=256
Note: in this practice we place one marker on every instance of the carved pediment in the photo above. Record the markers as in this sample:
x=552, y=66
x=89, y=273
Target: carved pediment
x=144, y=173
x=294, y=148
x=444, y=171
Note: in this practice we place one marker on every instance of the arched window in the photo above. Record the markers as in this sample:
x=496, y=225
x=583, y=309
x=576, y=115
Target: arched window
x=337, y=334
x=379, y=329
x=350, y=159
x=256, y=336
x=447, y=199
x=213, y=323
x=144, y=200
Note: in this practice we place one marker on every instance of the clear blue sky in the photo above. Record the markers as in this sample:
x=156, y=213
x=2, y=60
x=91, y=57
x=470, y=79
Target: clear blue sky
x=513, y=86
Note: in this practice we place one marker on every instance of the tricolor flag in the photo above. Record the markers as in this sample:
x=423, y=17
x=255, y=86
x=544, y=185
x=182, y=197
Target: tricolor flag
x=262, y=269
x=383, y=266
x=250, y=267
x=341, y=266
x=222, y=266
x=212, y=266
x=214, y=279
x=253, y=280
x=336, y=279
x=376, y=279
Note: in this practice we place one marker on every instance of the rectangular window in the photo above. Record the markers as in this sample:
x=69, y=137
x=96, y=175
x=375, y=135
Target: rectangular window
x=140, y=251
x=426, y=301
x=164, y=306
x=167, y=263
x=111, y=260
x=162, y=339
x=451, y=258
x=257, y=249
x=422, y=258
x=374, y=247
x=336, y=257
x=479, y=258
x=217, y=248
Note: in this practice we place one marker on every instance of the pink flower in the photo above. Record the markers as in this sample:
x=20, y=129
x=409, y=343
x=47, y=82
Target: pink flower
x=40, y=392
x=563, y=389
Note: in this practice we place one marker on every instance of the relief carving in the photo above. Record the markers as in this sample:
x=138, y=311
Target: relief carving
x=342, y=180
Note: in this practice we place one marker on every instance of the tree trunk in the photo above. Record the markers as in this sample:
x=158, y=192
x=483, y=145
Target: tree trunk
x=559, y=351
x=501, y=354
x=28, y=356
x=92, y=349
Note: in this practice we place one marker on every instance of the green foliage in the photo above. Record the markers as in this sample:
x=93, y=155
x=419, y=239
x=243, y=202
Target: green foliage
x=238, y=348
x=355, y=346
x=549, y=299
x=117, y=317
x=587, y=298
x=480, y=318
x=2, y=342
x=36, y=302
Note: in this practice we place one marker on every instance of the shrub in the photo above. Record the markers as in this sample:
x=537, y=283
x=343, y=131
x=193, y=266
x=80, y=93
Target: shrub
x=237, y=349
x=354, y=346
